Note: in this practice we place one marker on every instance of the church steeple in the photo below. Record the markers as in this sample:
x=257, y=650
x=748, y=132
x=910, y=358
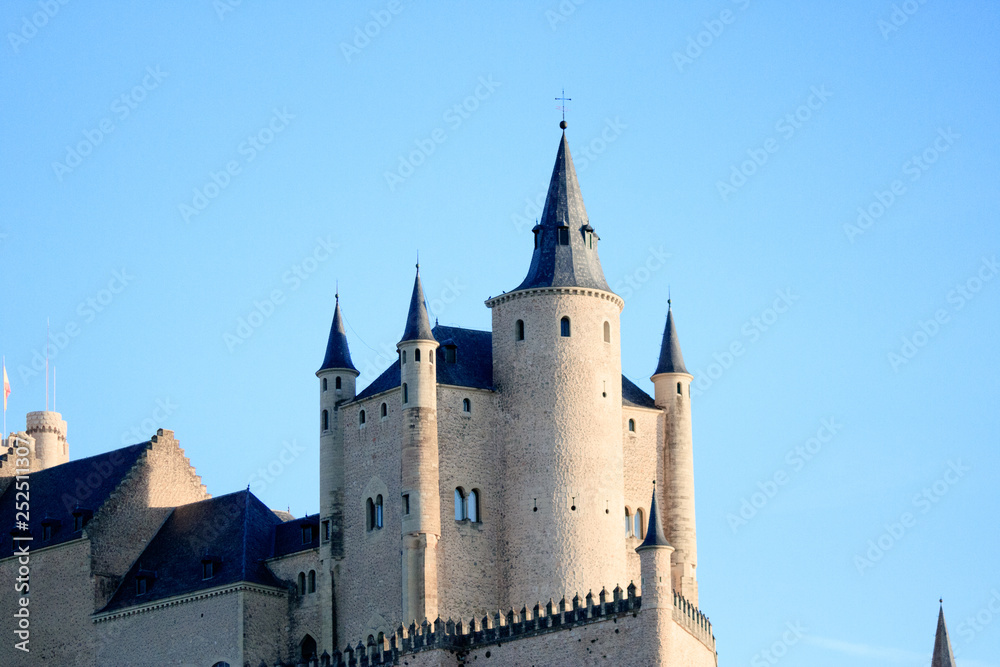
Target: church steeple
x=565, y=253
x=942, y=656
x=338, y=355
x=671, y=360
x=418, y=325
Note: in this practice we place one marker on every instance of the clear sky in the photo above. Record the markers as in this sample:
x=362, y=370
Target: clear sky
x=817, y=183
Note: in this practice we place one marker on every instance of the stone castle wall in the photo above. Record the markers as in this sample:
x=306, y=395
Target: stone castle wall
x=642, y=465
x=560, y=420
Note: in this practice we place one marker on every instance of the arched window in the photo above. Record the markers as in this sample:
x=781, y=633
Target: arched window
x=640, y=526
x=404, y=356
x=326, y=420
x=221, y=664
x=564, y=327
x=308, y=648
x=380, y=641
x=416, y=354
x=679, y=392
x=519, y=330
x=466, y=405
x=312, y=581
x=628, y=523
x=324, y=384
x=361, y=417
x=336, y=382
x=406, y=394
x=607, y=332
x=473, y=506
x=631, y=425
x=460, y=506
x=302, y=583
x=384, y=410
x=370, y=514
x=430, y=356
x=378, y=512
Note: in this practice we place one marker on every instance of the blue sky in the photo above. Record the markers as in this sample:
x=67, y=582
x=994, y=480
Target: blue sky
x=816, y=184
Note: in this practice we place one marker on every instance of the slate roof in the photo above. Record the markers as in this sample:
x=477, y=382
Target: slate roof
x=942, y=656
x=237, y=529
x=634, y=396
x=55, y=492
x=655, y=537
x=288, y=536
x=473, y=366
x=575, y=264
x=671, y=359
x=418, y=325
x=338, y=355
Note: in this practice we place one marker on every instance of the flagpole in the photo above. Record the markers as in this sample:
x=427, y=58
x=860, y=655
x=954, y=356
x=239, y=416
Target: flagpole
x=4, y=390
x=46, y=364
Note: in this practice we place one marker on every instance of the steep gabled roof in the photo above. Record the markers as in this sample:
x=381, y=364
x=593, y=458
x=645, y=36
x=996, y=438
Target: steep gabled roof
x=573, y=264
x=55, y=492
x=473, y=365
x=236, y=531
x=338, y=355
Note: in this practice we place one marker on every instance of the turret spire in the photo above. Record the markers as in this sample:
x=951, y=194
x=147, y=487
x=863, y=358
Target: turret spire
x=942, y=656
x=565, y=252
x=655, y=537
x=671, y=360
x=418, y=325
x=338, y=355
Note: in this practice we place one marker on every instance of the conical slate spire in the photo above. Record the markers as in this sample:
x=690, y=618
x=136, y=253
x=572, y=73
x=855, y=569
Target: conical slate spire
x=337, y=353
x=671, y=360
x=654, y=530
x=418, y=325
x=565, y=252
x=942, y=656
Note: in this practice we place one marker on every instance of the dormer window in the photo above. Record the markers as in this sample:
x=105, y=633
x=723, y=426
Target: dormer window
x=307, y=533
x=80, y=518
x=143, y=581
x=49, y=526
x=209, y=566
x=450, y=354
x=564, y=236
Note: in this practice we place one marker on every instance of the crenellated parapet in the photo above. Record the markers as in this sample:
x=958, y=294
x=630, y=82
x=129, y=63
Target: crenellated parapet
x=463, y=636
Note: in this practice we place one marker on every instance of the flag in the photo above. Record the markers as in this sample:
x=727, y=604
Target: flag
x=6, y=387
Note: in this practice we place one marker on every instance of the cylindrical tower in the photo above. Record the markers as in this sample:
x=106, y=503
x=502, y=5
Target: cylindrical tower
x=672, y=385
x=656, y=615
x=337, y=385
x=49, y=431
x=557, y=371
x=419, y=483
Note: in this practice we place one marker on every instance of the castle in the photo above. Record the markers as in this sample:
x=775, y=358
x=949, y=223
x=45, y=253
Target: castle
x=471, y=507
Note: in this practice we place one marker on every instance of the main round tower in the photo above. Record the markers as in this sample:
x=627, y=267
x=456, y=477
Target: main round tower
x=557, y=372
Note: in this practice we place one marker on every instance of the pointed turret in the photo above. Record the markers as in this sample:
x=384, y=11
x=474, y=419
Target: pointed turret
x=671, y=360
x=655, y=536
x=418, y=325
x=565, y=252
x=338, y=355
x=942, y=656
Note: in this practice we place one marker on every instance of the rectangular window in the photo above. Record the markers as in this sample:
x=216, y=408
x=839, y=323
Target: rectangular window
x=140, y=586
x=326, y=531
x=47, y=532
x=564, y=236
x=77, y=522
x=406, y=503
x=207, y=570
x=307, y=534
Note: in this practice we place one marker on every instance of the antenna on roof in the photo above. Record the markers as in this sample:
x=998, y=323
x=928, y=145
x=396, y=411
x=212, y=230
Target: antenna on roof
x=46, y=364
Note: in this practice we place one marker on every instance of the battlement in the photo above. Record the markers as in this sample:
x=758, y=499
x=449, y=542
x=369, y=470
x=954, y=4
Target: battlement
x=458, y=637
x=47, y=422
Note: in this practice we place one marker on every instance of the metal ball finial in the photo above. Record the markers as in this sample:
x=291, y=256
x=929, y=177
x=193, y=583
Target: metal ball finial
x=563, y=125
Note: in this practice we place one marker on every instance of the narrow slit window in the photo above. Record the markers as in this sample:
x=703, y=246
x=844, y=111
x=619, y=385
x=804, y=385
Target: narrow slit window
x=370, y=514
x=361, y=417
x=631, y=425
x=628, y=523
x=416, y=354
x=378, y=512
x=460, y=506
x=406, y=394
x=384, y=410
x=519, y=330
x=680, y=392
x=326, y=420
x=473, y=506
x=607, y=332
x=466, y=405
x=564, y=327
x=336, y=383
x=324, y=384
x=640, y=526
